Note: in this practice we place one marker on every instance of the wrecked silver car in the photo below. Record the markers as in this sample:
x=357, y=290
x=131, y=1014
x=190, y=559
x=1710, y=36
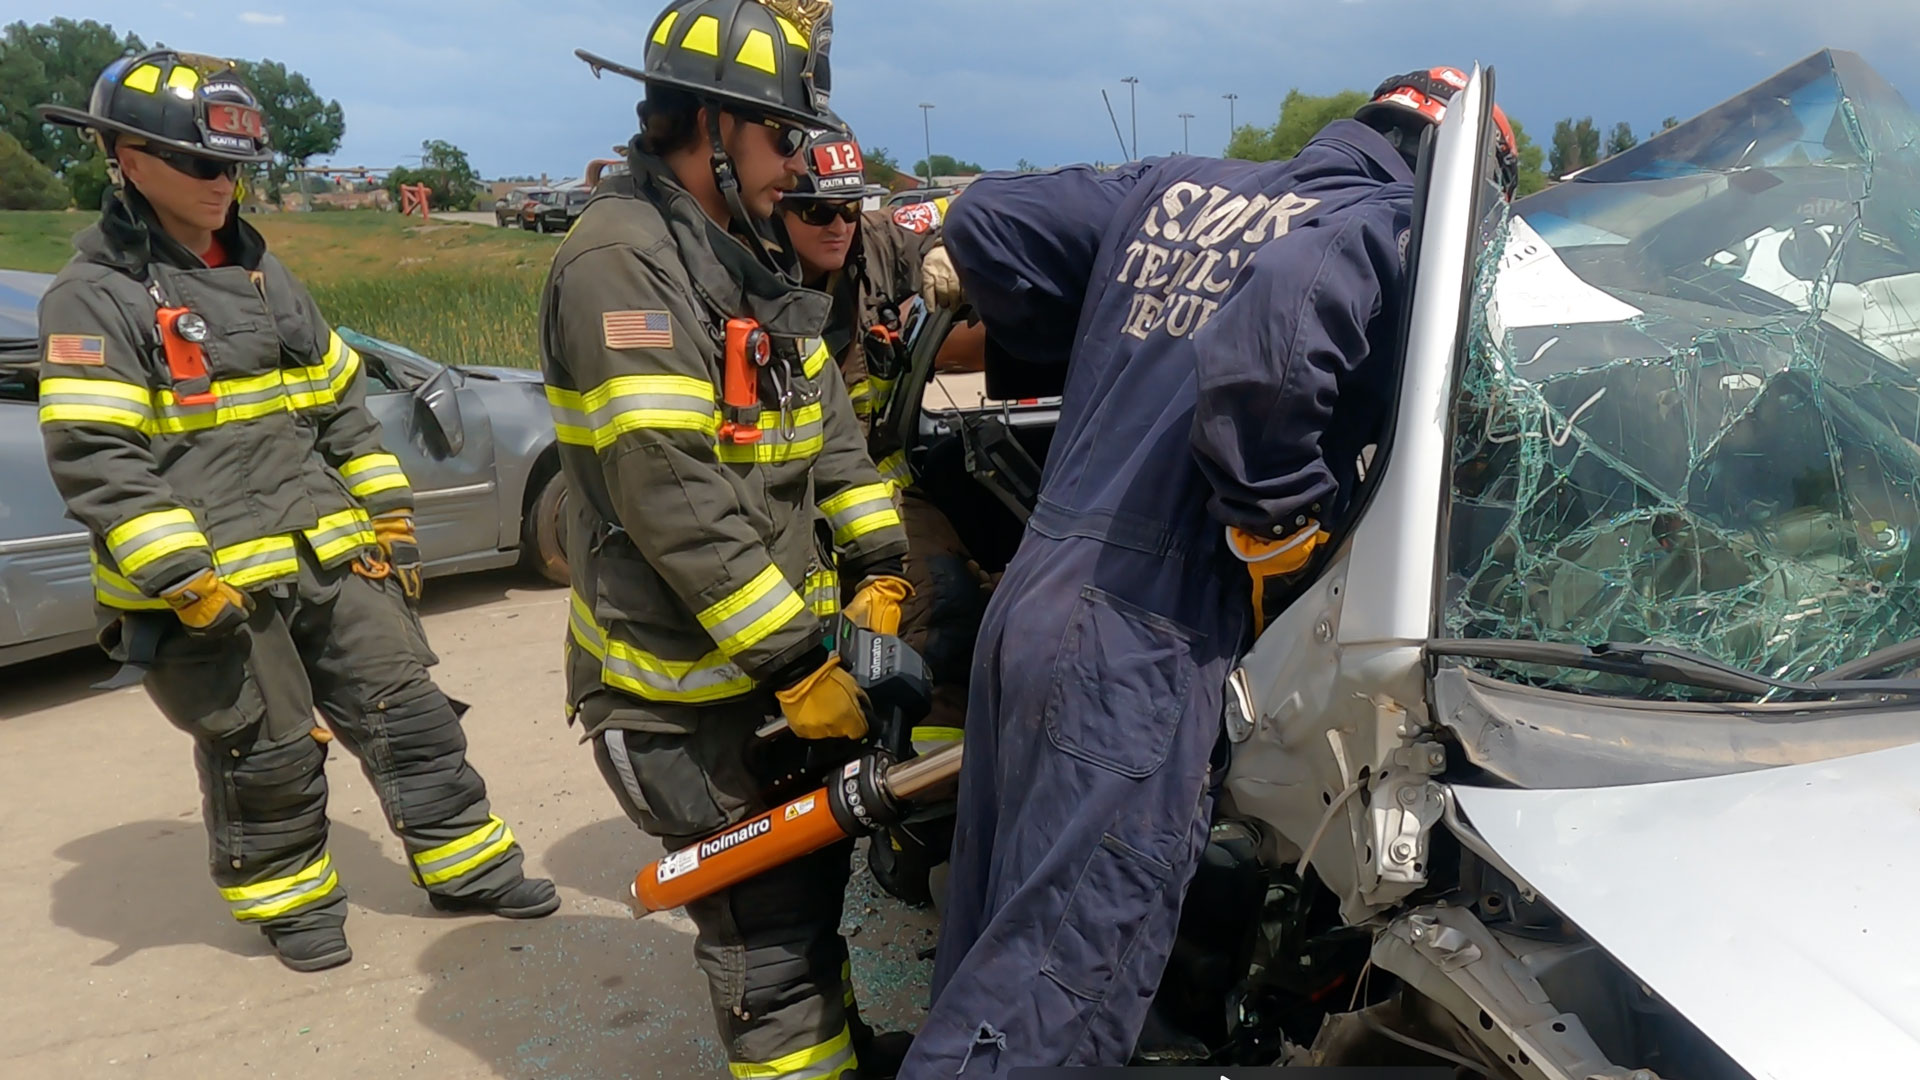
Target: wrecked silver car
x=1592, y=753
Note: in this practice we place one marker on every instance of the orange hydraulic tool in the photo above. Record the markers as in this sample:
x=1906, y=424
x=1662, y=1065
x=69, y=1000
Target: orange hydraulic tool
x=748, y=349
x=182, y=335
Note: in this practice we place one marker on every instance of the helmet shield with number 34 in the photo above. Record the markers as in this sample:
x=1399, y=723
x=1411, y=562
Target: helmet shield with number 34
x=182, y=101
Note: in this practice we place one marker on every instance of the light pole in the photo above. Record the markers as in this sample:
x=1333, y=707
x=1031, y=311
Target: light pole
x=1185, y=147
x=1133, y=115
x=1231, y=125
x=926, y=125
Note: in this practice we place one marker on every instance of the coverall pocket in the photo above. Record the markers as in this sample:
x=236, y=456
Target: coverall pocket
x=1119, y=684
x=1103, y=919
x=205, y=687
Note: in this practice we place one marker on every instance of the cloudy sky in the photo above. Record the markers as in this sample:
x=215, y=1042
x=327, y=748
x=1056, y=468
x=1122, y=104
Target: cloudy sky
x=1012, y=79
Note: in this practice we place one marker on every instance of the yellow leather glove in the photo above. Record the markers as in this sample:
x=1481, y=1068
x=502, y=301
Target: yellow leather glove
x=825, y=705
x=1271, y=562
x=876, y=606
x=207, y=606
x=941, y=280
x=394, y=531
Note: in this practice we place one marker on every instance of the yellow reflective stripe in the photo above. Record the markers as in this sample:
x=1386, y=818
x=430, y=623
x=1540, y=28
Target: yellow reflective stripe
x=827, y=1060
x=757, y=52
x=703, y=36
x=846, y=983
x=149, y=538
x=182, y=77
x=895, y=471
x=271, y=899
x=823, y=593
x=370, y=474
x=754, y=612
x=600, y=416
x=816, y=360
x=96, y=401
x=794, y=37
x=236, y=400
x=688, y=682
x=339, y=535
x=858, y=511
x=112, y=590
x=809, y=438
x=145, y=78
x=465, y=855
x=586, y=633
x=257, y=562
x=665, y=28
x=928, y=739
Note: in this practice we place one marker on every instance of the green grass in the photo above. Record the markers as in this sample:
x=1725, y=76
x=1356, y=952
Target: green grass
x=462, y=294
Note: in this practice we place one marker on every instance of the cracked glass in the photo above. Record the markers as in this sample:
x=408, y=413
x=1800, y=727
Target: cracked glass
x=1689, y=412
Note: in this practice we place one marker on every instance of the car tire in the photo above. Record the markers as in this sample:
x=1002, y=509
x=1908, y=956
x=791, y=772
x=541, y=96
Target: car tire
x=543, y=540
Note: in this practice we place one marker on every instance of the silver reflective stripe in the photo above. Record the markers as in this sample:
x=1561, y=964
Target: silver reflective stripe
x=126, y=549
x=430, y=871
x=325, y=537
x=737, y=633
x=235, y=567
x=826, y=1070
x=709, y=682
x=616, y=741
x=224, y=403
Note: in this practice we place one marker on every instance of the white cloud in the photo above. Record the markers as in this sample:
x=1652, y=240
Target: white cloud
x=255, y=18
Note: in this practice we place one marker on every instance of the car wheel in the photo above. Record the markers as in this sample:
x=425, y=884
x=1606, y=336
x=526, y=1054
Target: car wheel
x=543, y=543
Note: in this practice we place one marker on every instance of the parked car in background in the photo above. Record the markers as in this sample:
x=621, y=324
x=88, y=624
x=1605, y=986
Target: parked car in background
x=506, y=209
x=538, y=200
x=560, y=216
x=477, y=442
x=919, y=195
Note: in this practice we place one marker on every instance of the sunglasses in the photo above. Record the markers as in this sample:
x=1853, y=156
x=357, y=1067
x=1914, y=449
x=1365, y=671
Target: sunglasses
x=821, y=214
x=200, y=168
x=788, y=140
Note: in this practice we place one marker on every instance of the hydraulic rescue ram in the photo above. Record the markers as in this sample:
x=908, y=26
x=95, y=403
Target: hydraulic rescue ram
x=864, y=796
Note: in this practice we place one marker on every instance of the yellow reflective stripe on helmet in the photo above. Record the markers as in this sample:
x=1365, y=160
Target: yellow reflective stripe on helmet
x=257, y=562
x=114, y=591
x=464, y=856
x=272, y=899
x=754, y=612
x=145, y=78
x=826, y=1061
x=97, y=401
x=816, y=361
x=858, y=511
x=147, y=539
x=370, y=474
x=757, y=52
x=703, y=36
x=794, y=37
x=337, y=536
x=666, y=27
x=775, y=446
x=688, y=682
x=586, y=633
x=182, y=77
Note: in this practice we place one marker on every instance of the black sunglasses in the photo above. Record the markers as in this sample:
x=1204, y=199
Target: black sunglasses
x=200, y=168
x=788, y=140
x=821, y=214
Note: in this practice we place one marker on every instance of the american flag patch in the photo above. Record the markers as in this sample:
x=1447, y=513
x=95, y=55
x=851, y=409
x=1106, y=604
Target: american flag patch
x=85, y=350
x=637, y=329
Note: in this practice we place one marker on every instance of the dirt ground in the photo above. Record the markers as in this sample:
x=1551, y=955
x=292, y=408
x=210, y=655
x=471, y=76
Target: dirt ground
x=121, y=961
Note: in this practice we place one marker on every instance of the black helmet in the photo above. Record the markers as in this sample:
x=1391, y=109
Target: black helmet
x=767, y=57
x=194, y=104
x=836, y=170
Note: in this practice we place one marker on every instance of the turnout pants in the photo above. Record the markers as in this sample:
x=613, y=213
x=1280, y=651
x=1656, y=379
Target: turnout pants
x=352, y=648
x=1083, y=807
x=776, y=965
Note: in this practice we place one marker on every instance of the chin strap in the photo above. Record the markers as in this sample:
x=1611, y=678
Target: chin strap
x=727, y=179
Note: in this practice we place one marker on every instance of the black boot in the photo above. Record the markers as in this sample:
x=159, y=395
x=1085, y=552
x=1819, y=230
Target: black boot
x=880, y=1052
x=311, y=948
x=528, y=898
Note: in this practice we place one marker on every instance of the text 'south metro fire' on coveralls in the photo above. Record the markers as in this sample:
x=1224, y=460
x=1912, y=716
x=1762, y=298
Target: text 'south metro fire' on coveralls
x=1222, y=325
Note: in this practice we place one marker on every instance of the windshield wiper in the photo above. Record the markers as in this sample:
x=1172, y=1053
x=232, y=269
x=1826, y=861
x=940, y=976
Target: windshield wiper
x=1660, y=663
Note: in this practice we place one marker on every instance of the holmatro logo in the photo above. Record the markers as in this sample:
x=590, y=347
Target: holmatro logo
x=756, y=827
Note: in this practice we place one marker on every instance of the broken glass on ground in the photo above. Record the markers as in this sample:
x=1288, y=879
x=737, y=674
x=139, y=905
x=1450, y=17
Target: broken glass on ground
x=1690, y=409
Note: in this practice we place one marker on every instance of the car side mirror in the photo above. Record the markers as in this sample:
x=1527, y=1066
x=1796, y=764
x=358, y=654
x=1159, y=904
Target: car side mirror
x=436, y=404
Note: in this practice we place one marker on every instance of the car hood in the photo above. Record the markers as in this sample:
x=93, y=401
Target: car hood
x=1770, y=908
x=499, y=374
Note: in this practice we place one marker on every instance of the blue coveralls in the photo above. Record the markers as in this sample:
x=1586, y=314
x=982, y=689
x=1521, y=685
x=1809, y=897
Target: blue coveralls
x=1225, y=327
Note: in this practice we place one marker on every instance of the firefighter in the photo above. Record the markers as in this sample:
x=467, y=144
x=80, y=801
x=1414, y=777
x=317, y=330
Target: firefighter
x=704, y=431
x=1225, y=330
x=873, y=265
x=253, y=546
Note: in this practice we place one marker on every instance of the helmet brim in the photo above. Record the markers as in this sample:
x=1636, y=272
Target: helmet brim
x=757, y=106
x=868, y=192
x=80, y=118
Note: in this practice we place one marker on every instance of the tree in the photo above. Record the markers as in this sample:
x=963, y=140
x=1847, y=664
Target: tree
x=1533, y=176
x=1025, y=166
x=882, y=169
x=944, y=165
x=25, y=184
x=1301, y=118
x=1621, y=139
x=446, y=172
x=300, y=124
x=1666, y=125
x=55, y=62
x=1576, y=145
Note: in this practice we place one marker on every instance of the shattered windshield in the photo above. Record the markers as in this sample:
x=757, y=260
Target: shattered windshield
x=1690, y=409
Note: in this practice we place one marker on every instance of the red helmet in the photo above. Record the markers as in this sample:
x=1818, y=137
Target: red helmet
x=1424, y=94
